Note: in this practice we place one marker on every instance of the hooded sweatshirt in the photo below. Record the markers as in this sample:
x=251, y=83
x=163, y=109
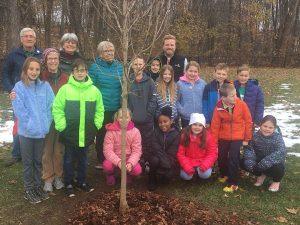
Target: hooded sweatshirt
x=142, y=99
x=189, y=96
x=78, y=112
x=112, y=143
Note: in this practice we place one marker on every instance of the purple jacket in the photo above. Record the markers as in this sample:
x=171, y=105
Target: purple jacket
x=254, y=98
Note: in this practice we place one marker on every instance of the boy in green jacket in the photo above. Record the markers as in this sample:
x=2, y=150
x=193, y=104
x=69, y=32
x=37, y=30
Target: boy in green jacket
x=78, y=114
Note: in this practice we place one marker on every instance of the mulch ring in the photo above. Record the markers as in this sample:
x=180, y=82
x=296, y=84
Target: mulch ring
x=146, y=208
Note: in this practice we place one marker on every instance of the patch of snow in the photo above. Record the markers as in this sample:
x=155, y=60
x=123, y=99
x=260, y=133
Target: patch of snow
x=297, y=154
x=6, y=132
x=285, y=86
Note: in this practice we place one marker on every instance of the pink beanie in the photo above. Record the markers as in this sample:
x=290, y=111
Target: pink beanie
x=46, y=53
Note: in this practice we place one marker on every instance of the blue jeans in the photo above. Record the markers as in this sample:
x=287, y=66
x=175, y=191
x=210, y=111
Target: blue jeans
x=75, y=155
x=16, y=151
x=203, y=175
x=32, y=152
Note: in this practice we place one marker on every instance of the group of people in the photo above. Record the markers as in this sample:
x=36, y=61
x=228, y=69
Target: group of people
x=176, y=123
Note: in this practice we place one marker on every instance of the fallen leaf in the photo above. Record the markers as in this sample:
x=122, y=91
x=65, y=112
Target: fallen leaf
x=226, y=196
x=12, y=182
x=292, y=210
x=281, y=219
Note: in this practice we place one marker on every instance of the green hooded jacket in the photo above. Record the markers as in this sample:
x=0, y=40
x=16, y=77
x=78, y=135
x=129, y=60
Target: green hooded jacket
x=78, y=112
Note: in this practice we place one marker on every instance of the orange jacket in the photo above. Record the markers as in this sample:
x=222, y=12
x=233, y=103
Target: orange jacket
x=235, y=126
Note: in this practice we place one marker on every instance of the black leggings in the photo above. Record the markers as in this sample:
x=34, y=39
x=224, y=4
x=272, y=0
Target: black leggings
x=276, y=172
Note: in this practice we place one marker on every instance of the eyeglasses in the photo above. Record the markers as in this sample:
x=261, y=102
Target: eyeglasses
x=28, y=36
x=52, y=59
x=79, y=70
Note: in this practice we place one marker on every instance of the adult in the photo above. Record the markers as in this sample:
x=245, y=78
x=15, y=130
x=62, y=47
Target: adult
x=53, y=150
x=11, y=74
x=170, y=56
x=69, y=52
x=106, y=73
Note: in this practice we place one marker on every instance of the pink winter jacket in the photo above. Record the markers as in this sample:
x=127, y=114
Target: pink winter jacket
x=112, y=143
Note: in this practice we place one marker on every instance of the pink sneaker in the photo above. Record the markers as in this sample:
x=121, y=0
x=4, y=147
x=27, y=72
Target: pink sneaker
x=110, y=180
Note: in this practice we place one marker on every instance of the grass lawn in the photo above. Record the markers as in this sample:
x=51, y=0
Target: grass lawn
x=255, y=205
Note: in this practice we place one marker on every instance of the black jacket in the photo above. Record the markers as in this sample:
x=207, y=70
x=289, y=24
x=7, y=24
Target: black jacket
x=177, y=62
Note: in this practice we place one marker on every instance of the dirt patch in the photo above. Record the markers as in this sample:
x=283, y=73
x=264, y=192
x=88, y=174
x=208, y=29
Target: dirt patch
x=146, y=208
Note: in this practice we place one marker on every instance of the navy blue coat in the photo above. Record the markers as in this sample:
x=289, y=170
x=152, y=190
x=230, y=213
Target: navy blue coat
x=254, y=98
x=12, y=67
x=210, y=99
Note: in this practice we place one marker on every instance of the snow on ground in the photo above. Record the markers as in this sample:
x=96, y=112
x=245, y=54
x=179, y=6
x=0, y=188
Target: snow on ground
x=6, y=132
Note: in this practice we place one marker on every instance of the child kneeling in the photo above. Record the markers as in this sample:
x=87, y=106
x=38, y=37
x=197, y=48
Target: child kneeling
x=266, y=153
x=112, y=149
x=197, y=150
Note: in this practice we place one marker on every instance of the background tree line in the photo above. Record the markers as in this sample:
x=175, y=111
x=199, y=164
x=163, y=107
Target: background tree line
x=258, y=32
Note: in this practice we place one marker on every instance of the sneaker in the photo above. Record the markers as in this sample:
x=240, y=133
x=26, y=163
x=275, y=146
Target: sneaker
x=70, y=191
x=274, y=187
x=85, y=187
x=58, y=184
x=99, y=166
x=260, y=180
x=41, y=193
x=110, y=180
x=48, y=187
x=11, y=162
x=231, y=188
x=223, y=179
x=32, y=197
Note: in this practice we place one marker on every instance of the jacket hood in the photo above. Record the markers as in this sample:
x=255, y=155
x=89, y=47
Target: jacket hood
x=184, y=78
x=144, y=78
x=115, y=126
x=250, y=82
x=77, y=84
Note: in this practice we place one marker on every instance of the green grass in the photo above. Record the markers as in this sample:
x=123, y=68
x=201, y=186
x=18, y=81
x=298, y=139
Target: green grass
x=250, y=203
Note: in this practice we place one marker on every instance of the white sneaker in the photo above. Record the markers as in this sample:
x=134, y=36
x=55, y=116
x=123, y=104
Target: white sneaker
x=48, y=187
x=58, y=184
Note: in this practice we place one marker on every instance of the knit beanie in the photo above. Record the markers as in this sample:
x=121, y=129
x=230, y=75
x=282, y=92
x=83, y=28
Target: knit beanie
x=166, y=111
x=197, y=118
x=46, y=53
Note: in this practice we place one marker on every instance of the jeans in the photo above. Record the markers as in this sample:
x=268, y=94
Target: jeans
x=79, y=155
x=276, y=172
x=32, y=151
x=203, y=175
x=16, y=151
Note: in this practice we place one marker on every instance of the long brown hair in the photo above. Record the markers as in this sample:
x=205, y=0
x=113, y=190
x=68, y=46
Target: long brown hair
x=162, y=86
x=185, y=137
x=24, y=76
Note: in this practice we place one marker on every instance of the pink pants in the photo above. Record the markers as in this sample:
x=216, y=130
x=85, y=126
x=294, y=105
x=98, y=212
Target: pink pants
x=109, y=168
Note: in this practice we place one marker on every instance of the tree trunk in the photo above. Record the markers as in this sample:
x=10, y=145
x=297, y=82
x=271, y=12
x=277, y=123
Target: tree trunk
x=13, y=38
x=47, y=22
x=125, y=41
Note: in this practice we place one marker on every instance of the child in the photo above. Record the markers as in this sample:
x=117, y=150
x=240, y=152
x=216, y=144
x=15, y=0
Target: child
x=166, y=91
x=197, y=150
x=154, y=68
x=112, y=149
x=232, y=126
x=53, y=149
x=249, y=91
x=32, y=107
x=190, y=92
x=142, y=103
x=165, y=142
x=211, y=91
x=78, y=114
x=266, y=153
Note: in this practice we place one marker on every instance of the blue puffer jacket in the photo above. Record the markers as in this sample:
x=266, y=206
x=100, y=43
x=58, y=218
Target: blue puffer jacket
x=254, y=98
x=12, y=67
x=264, y=152
x=107, y=77
x=189, y=97
x=210, y=99
x=32, y=107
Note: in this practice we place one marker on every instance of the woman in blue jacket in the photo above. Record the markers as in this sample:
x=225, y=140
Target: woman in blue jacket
x=32, y=107
x=106, y=73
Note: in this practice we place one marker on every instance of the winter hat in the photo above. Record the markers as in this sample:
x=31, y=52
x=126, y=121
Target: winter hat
x=46, y=53
x=166, y=111
x=197, y=118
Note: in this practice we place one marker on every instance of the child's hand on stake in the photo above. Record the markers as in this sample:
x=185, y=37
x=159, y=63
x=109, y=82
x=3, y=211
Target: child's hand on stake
x=129, y=167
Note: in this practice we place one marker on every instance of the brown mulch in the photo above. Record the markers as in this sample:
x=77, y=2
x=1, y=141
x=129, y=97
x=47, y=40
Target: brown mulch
x=146, y=208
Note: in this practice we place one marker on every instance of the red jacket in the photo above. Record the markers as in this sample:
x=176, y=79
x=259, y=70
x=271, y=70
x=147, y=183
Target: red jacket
x=55, y=82
x=194, y=156
x=232, y=127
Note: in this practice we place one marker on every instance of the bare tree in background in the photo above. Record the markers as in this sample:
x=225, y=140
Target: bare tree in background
x=126, y=18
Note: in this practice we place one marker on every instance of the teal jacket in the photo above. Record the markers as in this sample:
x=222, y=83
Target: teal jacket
x=107, y=77
x=78, y=112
